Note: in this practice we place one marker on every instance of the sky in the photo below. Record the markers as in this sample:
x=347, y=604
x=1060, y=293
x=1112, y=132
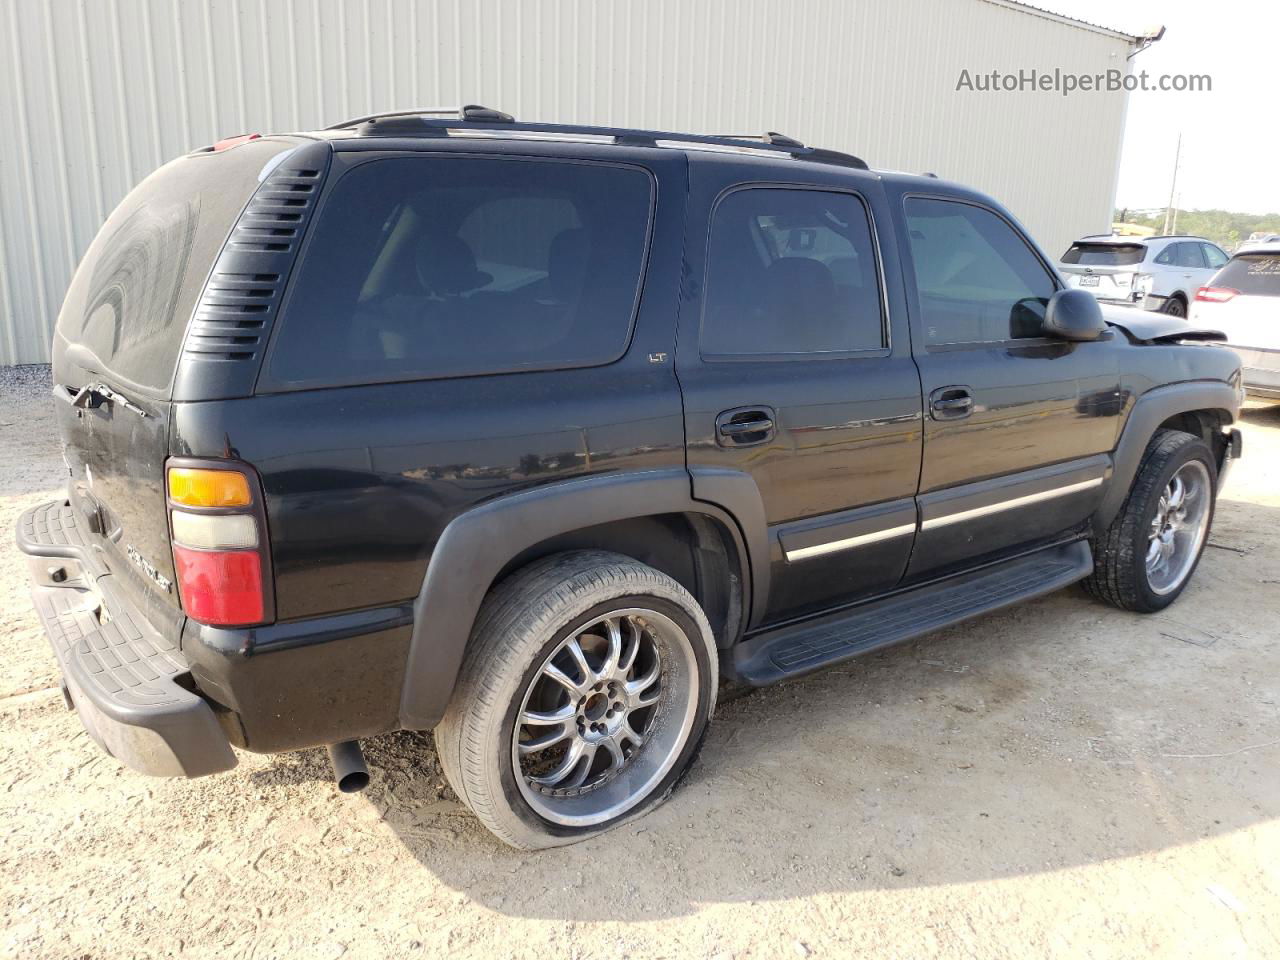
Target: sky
x=1230, y=135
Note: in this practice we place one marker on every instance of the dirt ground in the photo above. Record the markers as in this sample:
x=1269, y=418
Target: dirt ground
x=1059, y=779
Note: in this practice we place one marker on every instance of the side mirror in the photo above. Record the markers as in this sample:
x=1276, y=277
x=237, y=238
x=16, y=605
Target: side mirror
x=1074, y=315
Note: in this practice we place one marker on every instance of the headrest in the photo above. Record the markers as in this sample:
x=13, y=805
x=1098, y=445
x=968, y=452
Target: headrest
x=447, y=267
x=800, y=283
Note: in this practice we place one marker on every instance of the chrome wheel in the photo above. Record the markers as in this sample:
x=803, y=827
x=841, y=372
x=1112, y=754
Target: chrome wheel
x=605, y=717
x=1178, y=529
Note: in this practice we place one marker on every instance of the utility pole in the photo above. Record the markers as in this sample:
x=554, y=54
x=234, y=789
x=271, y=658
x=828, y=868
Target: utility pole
x=1168, y=211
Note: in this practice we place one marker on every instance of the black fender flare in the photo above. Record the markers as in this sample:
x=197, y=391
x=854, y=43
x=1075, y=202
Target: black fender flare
x=477, y=544
x=1149, y=411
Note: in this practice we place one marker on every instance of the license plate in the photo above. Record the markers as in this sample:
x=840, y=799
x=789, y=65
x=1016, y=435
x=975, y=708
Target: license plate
x=1089, y=281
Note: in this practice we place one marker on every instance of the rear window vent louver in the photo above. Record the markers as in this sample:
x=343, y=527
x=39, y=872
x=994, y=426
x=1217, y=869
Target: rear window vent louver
x=234, y=316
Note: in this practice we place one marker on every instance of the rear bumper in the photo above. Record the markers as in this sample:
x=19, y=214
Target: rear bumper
x=1150, y=301
x=124, y=680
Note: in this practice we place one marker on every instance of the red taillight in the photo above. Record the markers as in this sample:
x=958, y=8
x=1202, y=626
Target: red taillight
x=220, y=587
x=220, y=545
x=1216, y=294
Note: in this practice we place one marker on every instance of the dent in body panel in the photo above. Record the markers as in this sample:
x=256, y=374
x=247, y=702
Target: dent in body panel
x=1146, y=367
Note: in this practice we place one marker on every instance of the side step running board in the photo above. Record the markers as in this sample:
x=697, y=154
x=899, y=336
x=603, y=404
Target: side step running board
x=804, y=647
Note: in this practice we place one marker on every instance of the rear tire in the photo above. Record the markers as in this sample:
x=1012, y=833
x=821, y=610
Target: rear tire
x=587, y=688
x=1175, y=307
x=1145, y=559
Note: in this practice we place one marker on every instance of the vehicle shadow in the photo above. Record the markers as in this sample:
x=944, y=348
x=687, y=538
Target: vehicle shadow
x=1050, y=735
x=1261, y=414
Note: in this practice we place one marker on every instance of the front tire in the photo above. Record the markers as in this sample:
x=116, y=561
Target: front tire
x=1145, y=559
x=584, y=696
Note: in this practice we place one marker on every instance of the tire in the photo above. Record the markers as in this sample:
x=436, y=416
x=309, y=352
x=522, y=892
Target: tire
x=1175, y=307
x=573, y=619
x=1124, y=552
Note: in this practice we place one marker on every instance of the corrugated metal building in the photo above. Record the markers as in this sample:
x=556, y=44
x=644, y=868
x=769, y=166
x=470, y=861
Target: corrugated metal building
x=100, y=92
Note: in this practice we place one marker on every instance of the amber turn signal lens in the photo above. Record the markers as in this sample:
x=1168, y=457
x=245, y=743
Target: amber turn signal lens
x=193, y=487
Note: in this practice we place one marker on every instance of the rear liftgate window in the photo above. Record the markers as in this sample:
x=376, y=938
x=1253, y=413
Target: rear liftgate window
x=445, y=266
x=136, y=287
x=1105, y=254
x=1255, y=274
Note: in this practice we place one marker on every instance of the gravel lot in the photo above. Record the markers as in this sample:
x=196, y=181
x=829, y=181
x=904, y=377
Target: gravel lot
x=1059, y=779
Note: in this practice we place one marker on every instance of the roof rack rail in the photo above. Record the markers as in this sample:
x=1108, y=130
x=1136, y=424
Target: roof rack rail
x=772, y=137
x=445, y=120
x=820, y=155
x=471, y=112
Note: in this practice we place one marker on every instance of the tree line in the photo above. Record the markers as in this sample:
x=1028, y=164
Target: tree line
x=1223, y=227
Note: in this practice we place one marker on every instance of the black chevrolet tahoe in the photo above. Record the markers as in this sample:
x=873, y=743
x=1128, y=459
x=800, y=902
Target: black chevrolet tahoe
x=539, y=436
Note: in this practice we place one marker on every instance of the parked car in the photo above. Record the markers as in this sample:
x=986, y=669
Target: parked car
x=1243, y=300
x=535, y=434
x=1259, y=239
x=1153, y=273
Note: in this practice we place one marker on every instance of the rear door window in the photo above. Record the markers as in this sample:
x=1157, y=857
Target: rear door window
x=424, y=267
x=1105, y=254
x=1254, y=274
x=1189, y=255
x=791, y=272
x=977, y=279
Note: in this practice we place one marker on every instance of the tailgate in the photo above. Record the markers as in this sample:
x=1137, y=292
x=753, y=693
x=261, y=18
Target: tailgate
x=1250, y=321
x=1109, y=283
x=116, y=349
x=115, y=456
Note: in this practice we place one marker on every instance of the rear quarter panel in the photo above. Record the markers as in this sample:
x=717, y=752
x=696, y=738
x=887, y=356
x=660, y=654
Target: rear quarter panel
x=360, y=481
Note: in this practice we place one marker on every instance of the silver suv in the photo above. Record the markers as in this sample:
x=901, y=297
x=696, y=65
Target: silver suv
x=1154, y=273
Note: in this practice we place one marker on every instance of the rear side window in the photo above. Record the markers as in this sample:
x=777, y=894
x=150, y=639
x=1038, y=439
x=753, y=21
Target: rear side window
x=445, y=266
x=977, y=280
x=1254, y=274
x=1182, y=254
x=1105, y=254
x=1189, y=255
x=791, y=272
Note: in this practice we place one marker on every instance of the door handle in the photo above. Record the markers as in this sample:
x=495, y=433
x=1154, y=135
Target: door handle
x=951, y=403
x=745, y=427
